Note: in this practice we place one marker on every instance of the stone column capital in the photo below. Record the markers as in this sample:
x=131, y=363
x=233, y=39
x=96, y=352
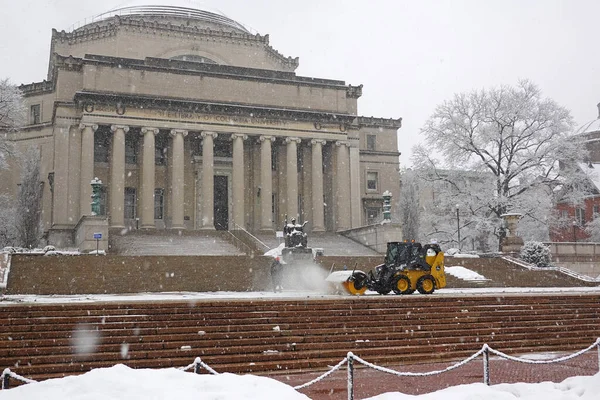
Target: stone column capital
x=114, y=128
x=340, y=143
x=263, y=138
x=175, y=132
x=239, y=135
x=318, y=141
x=292, y=139
x=208, y=133
x=84, y=125
x=146, y=129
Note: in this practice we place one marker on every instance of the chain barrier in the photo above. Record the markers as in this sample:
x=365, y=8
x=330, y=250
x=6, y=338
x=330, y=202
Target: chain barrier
x=325, y=375
x=196, y=367
x=349, y=359
x=398, y=373
x=555, y=360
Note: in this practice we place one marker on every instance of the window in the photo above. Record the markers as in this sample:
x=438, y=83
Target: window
x=373, y=215
x=131, y=149
x=159, y=203
x=580, y=216
x=596, y=211
x=35, y=114
x=101, y=145
x=371, y=139
x=371, y=181
x=160, y=150
x=130, y=203
x=223, y=148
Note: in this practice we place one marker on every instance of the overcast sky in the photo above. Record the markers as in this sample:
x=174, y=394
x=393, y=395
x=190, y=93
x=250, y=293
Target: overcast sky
x=409, y=55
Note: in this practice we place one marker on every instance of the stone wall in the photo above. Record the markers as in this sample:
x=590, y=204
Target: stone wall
x=90, y=274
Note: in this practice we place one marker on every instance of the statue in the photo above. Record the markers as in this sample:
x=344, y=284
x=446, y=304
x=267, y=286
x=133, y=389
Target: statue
x=294, y=234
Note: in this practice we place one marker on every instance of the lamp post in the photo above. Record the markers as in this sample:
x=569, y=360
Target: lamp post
x=574, y=228
x=96, y=188
x=458, y=226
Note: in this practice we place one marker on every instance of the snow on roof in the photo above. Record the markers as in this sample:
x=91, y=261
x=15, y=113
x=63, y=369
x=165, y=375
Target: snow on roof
x=592, y=170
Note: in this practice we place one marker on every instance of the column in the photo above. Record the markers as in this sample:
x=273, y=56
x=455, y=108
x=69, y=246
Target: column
x=355, y=199
x=342, y=211
x=208, y=182
x=86, y=168
x=177, y=179
x=117, y=176
x=266, y=184
x=148, y=177
x=292, y=176
x=238, y=179
x=318, y=222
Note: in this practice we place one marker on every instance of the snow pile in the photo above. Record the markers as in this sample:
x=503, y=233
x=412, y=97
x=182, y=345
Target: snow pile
x=464, y=274
x=578, y=387
x=276, y=252
x=465, y=255
x=121, y=382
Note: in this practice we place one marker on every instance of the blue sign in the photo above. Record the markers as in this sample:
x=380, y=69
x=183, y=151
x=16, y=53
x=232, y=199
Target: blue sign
x=97, y=236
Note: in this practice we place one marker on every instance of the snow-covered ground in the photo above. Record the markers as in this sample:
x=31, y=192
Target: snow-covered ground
x=121, y=382
x=286, y=294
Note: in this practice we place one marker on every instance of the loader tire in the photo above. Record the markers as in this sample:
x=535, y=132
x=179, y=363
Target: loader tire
x=384, y=292
x=402, y=285
x=426, y=284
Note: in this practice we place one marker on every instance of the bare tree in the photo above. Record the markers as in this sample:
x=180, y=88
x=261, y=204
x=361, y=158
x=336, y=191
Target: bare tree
x=409, y=205
x=12, y=116
x=510, y=140
x=29, y=201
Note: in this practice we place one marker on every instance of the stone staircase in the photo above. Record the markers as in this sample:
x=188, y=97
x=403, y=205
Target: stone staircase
x=174, y=243
x=272, y=336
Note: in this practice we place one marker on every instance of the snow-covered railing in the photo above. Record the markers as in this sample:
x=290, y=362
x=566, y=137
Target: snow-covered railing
x=562, y=270
x=349, y=362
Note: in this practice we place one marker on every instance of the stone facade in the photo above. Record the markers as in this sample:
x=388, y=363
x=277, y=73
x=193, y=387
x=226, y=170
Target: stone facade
x=192, y=122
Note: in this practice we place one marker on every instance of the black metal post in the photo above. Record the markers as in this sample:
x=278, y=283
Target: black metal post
x=350, y=376
x=6, y=379
x=486, y=366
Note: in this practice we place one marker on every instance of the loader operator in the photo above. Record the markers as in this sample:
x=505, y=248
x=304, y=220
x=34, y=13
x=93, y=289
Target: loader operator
x=277, y=275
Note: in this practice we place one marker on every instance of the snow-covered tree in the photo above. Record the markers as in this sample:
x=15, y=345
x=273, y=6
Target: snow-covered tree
x=498, y=151
x=12, y=116
x=536, y=253
x=8, y=231
x=409, y=204
x=29, y=201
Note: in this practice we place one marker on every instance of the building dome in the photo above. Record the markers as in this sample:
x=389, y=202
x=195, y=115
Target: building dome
x=167, y=13
x=592, y=126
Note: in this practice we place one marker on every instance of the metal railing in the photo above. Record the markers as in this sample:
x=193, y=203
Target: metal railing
x=562, y=270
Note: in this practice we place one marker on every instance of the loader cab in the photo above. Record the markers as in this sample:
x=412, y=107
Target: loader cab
x=399, y=253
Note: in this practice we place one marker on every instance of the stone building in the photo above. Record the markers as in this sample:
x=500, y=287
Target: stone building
x=192, y=122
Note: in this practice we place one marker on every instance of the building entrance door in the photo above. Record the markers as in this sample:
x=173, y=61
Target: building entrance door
x=221, y=210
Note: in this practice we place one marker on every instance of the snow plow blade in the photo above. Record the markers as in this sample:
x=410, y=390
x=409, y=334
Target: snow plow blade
x=351, y=282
